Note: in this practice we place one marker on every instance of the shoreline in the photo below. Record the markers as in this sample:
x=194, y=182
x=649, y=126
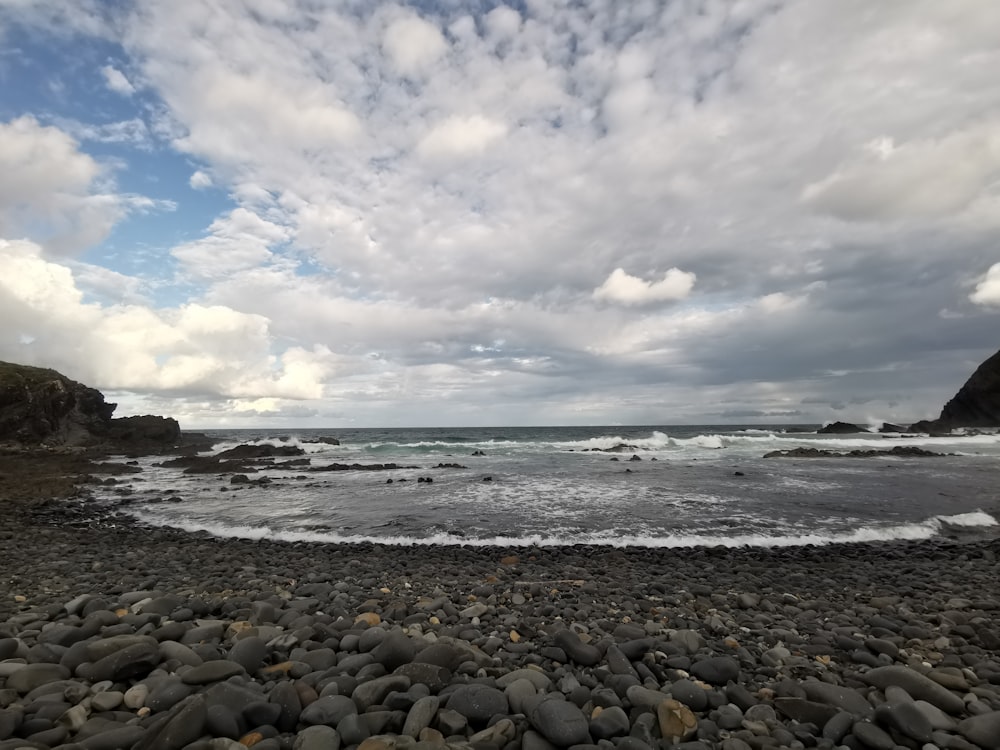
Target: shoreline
x=117, y=634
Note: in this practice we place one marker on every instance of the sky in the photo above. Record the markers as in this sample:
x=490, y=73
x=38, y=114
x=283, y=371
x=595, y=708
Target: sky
x=295, y=213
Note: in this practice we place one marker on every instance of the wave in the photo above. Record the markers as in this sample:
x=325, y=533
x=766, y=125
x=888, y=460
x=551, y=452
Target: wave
x=926, y=529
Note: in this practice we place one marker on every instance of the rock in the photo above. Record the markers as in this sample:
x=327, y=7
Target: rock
x=395, y=650
x=917, y=685
x=136, y=660
x=329, y=710
x=977, y=403
x=907, y=719
x=805, y=711
x=840, y=428
x=38, y=405
x=374, y=691
x=211, y=671
x=560, y=722
x=983, y=730
x=144, y=431
x=317, y=738
x=478, y=703
x=249, y=653
x=716, y=670
x=183, y=726
x=582, y=653
x=872, y=736
x=420, y=715
x=263, y=450
x=610, y=722
x=676, y=721
x=841, y=697
x=32, y=676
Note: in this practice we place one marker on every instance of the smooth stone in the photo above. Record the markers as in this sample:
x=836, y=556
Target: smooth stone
x=395, y=650
x=539, y=680
x=805, y=711
x=872, y=736
x=676, y=720
x=478, y=703
x=135, y=660
x=184, y=725
x=433, y=676
x=917, y=685
x=249, y=653
x=690, y=640
x=212, y=671
x=373, y=692
x=610, y=722
x=32, y=676
x=284, y=695
x=983, y=730
x=907, y=719
x=168, y=694
x=222, y=721
x=584, y=654
x=328, y=710
x=643, y=696
x=113, y=739
x=690, y=694
x=560, y=722
x=841, y=697
x=180, y=652
x=716, y=670
x=937, y=718
x=836, y=728
x=519, y=693
x=420, y=715
x=107, y=700
x=451, y=722
x=318, y=737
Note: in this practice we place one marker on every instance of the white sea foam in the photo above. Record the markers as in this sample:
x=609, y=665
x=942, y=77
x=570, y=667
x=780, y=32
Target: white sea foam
x=864, y=534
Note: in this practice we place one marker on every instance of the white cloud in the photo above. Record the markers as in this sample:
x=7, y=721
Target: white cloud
x=987, y=291
x=200, y=349
x=235, y=242
x=413, y=45
x=200, y=180
x=461, y=137
x=50, y=189
x=116, y=81
x=626, y=289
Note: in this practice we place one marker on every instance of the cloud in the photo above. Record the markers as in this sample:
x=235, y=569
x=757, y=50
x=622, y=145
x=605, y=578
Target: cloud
x=51, y=189
x=631, y=290
x=413, y=45
x=235, y=242
x=210, y=350
x=460, y=137
x=409, y=189
x=987, y=291
x=919, y=179
x=116, y=81
x=200, y=180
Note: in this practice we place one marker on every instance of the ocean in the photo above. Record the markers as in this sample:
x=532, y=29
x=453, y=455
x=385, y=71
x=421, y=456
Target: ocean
x=671, y=486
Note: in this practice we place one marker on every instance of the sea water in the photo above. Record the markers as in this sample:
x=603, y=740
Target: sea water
x=685, y=486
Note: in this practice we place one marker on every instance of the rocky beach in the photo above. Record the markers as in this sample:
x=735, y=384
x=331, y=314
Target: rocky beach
x=115, y=635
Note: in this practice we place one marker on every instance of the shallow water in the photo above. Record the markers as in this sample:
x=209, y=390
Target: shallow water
x=550, y=486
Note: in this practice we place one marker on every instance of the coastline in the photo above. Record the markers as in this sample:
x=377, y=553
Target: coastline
x=706, y=647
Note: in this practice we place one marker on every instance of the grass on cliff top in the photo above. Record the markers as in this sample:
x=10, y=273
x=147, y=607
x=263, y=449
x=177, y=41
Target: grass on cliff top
x=11, y=372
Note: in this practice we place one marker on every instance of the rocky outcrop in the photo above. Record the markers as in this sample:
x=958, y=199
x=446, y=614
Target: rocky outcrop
x=840, y=428
x=907, y=451
x=39, y=406
x=977, y=403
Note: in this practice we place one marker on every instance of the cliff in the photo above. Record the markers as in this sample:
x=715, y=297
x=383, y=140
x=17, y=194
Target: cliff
x=977, y=403
x=39, y=406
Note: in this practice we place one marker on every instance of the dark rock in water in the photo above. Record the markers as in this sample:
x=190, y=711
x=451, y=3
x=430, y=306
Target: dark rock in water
x=910, y=451
x=144, y=430
x=889, y=427
x=265, y=450
x=840, y=428
x=977, y=403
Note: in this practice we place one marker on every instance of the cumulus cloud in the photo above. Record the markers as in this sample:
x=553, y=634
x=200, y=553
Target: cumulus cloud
x=211, y=350
x=411, y=188
x=987, y=291
x=626, y=289
x=413, y=45
x=115, y=80
x=51, y=189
